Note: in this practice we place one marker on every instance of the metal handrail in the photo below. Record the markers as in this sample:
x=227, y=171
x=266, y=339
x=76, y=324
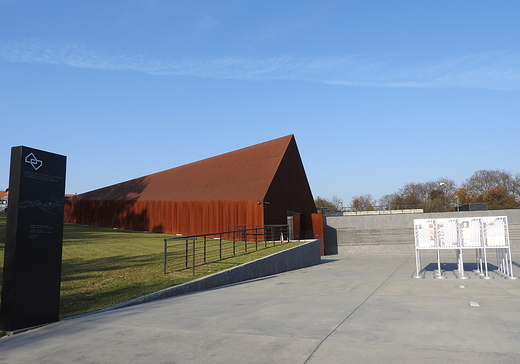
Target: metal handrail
x=185, y=252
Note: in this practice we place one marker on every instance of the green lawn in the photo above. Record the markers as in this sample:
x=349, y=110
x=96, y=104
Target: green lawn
x=102, y=267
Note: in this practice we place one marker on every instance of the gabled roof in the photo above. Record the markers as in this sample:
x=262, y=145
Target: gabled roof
x=244, y=174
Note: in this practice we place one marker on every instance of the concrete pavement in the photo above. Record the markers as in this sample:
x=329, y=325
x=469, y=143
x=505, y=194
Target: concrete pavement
x=349, y=309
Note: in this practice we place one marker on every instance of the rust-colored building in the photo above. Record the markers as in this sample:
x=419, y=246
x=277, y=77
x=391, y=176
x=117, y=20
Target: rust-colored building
x=258, y=185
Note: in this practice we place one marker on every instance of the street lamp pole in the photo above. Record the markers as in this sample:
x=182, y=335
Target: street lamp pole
x=443, y=184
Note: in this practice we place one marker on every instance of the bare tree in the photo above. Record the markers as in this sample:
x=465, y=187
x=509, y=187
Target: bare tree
x=481, y=181
x=499, y=189
x=431, y=196
x=337, y=202
x=387, y=201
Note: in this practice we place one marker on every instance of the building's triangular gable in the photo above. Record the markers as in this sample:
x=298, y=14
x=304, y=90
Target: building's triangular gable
x=290, y=181
x=289, y=187
x=244, y=174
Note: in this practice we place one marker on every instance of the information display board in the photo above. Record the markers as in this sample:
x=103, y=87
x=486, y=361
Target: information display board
x=494, y=232
x=460, y=233
x=470, y=232
x=425, y=234
x=480, y=233
x=447, y=233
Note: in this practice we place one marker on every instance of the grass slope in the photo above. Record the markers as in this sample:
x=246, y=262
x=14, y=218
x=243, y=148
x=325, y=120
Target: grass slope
x=102, y=267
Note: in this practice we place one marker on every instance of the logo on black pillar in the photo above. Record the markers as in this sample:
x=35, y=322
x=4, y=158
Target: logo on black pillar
x=33, y=161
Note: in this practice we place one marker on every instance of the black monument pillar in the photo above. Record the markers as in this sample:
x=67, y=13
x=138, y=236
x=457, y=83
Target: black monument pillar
x=34, y=235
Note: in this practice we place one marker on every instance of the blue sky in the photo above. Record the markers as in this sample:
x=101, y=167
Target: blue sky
x=377, y=93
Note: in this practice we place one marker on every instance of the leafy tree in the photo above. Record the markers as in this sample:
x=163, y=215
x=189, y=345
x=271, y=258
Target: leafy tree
x=498, y=198
x=363, y=203
x=324, y=205
x=463, y=197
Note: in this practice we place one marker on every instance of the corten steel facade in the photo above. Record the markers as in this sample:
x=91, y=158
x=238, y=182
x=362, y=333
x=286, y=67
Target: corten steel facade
x=257, y=185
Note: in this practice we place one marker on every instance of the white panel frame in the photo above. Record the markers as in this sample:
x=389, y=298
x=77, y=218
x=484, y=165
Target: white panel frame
x=479, y=233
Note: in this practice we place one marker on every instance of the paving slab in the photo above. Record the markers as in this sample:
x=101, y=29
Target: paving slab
x=356, y=309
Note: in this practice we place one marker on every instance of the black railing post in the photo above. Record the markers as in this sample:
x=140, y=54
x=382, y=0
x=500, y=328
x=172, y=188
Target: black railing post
x=204, y=250
x=165, y=255
x=245, y=241
x=187, y=253
x=193, y=258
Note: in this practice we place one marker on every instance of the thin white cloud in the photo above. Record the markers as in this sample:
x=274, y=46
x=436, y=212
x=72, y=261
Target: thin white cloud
x=487, y=70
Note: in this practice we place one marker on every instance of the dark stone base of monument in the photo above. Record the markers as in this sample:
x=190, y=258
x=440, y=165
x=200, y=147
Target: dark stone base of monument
x=34, y=235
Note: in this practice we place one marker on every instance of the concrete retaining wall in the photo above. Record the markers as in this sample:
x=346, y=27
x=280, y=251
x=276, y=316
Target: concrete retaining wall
x=382, y=234
x=305, y=255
